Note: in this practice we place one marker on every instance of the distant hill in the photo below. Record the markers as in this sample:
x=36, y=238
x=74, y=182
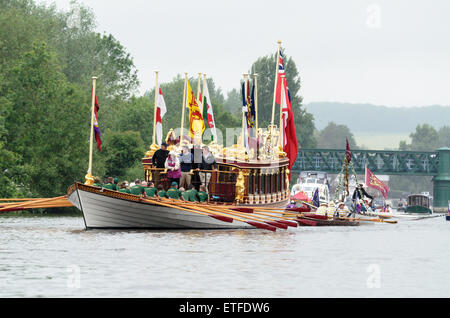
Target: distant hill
x=367, y=118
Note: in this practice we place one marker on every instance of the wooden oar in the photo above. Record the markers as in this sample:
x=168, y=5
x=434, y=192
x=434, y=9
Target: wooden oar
x=272, y=221
x=216, y=215
x=284, y=219
x=243, y=212
x=226, y=211
x=25, y=204
x=370, y=220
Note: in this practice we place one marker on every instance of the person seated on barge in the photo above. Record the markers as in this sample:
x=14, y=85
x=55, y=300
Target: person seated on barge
x=150, y=190
x=342, y=210
x=138, y=188
x=110, y=184
x=190, y=194
x=173, y=192
x=161, y=192
x=202, y=194
x=124, y=187
x=322, y=209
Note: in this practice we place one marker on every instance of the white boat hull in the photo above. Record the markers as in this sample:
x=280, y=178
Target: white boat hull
x=115, y=210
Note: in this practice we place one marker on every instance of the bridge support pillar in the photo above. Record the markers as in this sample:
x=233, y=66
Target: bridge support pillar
x=441, y=182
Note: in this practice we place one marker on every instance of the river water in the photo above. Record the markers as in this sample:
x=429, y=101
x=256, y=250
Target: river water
x=46, y=256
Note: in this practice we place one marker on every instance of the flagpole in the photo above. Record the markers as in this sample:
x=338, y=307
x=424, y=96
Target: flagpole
x=276, y=81
x=280, y=143
x=199, y=87
x=91, y=141
x=255, y=76
x=183, y=107
x=201, y=100
x=243, y=115
x=156, y=106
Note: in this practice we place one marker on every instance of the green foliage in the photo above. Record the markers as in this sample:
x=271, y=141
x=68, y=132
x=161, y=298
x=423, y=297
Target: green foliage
x=46, y=126
x=121, y=151
x=333, y=136
x=426, y=138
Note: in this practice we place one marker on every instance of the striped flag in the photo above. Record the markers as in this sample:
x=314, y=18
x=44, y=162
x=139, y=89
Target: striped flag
x=96, y=128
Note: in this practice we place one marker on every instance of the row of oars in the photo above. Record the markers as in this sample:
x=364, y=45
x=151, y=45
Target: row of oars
x=18, y=204
x=269, y=218
x=258, y=219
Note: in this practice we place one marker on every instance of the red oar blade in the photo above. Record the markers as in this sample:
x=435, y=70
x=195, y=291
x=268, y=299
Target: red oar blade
x=262, y=226
x=244, y=210
x=301, y=209
x=276, y=224
x=307, y=222
x=222, y=218
x=288, y=223
x=11, y=209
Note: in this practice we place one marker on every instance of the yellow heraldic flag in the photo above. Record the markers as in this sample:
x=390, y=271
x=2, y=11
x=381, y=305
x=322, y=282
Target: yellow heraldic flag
x=196, y=122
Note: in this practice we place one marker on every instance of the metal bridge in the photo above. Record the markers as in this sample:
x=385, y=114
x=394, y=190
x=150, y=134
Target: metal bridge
x=434, y=163
x=378, y=161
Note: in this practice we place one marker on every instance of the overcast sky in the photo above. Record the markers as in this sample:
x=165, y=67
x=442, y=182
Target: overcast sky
x=393, y=52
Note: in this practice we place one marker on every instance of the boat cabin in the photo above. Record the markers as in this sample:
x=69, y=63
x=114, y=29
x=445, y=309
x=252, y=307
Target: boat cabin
x=418, y=203
x=250, y=182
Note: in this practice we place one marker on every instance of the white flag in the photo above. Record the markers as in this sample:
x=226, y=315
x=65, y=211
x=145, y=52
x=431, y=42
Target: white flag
x=160, y=112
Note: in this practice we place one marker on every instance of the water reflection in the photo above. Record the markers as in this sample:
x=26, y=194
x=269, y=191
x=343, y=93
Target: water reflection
x=39, y=255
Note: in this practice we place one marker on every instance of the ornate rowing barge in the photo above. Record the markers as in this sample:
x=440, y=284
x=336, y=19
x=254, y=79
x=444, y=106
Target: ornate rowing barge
x=253, y=184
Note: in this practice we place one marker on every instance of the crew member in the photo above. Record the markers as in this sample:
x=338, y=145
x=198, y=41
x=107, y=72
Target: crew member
x=159, y=161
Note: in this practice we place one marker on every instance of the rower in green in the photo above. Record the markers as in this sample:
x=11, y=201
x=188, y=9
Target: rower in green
x=150, y=190
x=161, y=192
x=97, y=182
x=110, y=184
x=202, y=194
x=138, y=188
x=190, y=194
x=173, y=192
x=124, y=187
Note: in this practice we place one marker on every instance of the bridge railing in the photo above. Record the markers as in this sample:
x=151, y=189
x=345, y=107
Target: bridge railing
x=378, y=161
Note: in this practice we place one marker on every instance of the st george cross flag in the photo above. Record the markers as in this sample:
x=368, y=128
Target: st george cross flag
x=208, y=112
x=373, y=182
x=96, y=128
x=160, y=112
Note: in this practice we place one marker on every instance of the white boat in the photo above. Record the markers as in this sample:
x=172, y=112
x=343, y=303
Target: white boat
x=309, y=181
x=103, y=208
x=244, y=186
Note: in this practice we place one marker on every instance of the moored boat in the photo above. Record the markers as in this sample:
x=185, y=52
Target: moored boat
x=418, y=204
x=323, y=220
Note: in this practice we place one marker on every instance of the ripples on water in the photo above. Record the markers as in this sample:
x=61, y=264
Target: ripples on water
x=40, y=257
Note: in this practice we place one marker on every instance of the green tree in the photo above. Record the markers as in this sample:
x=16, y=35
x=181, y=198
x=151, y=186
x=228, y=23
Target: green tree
x=122, y=150
x=444, y=136
x=425, y=138
x=46, y=125
x=334, y=136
